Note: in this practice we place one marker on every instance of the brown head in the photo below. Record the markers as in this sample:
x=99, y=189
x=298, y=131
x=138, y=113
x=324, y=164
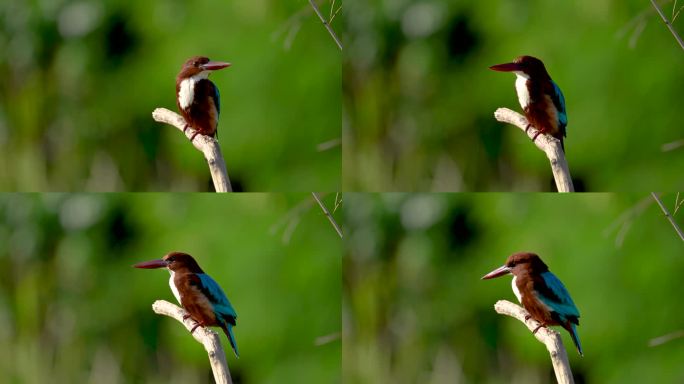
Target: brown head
x=174, y=261
x=199, y=64
x=529, y=65
x=519, y=263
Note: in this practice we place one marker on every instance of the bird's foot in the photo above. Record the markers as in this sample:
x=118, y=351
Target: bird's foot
x=528, y=127
x=185, y=128
x=536, y=135
x=195, y=327
x=527, y=317
x=193, y=136
x=186, y=317
x=536, y=329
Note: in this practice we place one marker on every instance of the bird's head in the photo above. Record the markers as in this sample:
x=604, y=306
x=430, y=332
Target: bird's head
x=517, y=263
x=524, y=65
x=200, y=65
x=174, y=261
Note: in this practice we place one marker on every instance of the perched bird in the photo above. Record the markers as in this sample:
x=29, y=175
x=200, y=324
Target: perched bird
x=541, y=293
x=540, y=97
x=198, y=293
x=198, y=98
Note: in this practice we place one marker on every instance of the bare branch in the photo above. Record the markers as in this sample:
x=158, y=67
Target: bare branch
x=327, y=213
x=205, y=336
x=660, y=340
x=326, y=24
x=672, y=145
x=205, y=144
x=548, y=144
x=667, y=214
x=668, y=24
x=549, y=337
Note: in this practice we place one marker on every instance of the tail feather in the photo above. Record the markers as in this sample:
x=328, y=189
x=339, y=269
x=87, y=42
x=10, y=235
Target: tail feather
x=228, y=329
x=575, y=338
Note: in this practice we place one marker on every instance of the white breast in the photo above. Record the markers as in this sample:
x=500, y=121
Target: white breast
x=187, y=89
x=516, y=291
x=521, y=89
x=173, y=288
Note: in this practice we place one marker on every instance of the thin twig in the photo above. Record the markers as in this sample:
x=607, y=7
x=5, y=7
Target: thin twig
x=205, y=144
x=660, y=340
x=667, y=214
x=672, y=146
x=623, y=223
x=290, y=220
x=668, y=24
x=548, y=144
x=326, y=24
x=327, y=213
x=205, y=336
x=678, y=204
x=549, y=337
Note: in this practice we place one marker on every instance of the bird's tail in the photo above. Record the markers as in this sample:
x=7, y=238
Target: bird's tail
x=575, y=338
x=228, y=329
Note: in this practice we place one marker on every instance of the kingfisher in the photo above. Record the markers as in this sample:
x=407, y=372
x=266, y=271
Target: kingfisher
x=540, y=97
x=198, y=293
x=541, y=293
x=197, y=97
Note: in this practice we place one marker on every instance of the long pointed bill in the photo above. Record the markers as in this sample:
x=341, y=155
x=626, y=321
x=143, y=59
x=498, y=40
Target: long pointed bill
x=214, y=65
x=504, y=270
x=508, y=67
x=151, y=264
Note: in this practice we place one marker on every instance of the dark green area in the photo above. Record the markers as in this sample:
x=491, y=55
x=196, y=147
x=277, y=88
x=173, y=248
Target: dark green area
x=73, y=310
x=79, y=82
x=416, y=311
x=419, y=97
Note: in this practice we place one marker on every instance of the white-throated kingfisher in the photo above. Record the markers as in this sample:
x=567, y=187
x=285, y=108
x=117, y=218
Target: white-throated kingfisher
x=198, y=293
x=540, y=97
x=541, y=293
x=197, y=97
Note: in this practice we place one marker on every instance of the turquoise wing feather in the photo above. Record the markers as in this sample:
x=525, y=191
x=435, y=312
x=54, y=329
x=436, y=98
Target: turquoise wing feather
x=559, y=102
x=560, y=300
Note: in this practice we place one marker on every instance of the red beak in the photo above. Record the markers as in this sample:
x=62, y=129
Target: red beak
x=508, y=67
x=159, y=263
x=214, y=65
x=504, y=270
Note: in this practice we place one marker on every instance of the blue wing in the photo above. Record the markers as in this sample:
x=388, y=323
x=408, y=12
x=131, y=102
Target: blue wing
x=217, y=297
x=217, y=99
x=559, y=299
x=559, y=102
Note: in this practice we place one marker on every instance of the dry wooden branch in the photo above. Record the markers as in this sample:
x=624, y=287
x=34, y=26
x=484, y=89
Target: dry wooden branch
x=668, y=216
x=326, y=24
x=549, y=337
x=668, y=24
x=328, y=214
x=205, y=144
x=207, y=337
x=548, y=144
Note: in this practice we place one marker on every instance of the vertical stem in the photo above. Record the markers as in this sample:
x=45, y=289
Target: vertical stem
x=667, y=214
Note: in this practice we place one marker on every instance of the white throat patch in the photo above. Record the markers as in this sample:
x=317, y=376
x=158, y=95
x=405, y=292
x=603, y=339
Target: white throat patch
x=173, y=287
x=521, y=89
x=187, y=89
x=516, y=291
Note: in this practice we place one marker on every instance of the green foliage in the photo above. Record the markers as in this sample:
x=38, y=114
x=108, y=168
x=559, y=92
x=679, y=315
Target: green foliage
x=415, y=309
x=419, y=97
x=72, y=309
x=79, y=81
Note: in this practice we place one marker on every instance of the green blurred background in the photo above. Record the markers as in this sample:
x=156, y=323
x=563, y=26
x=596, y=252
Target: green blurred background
x=416, y=311
x=79, y=81
x=73, y=310
x=419, y=97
